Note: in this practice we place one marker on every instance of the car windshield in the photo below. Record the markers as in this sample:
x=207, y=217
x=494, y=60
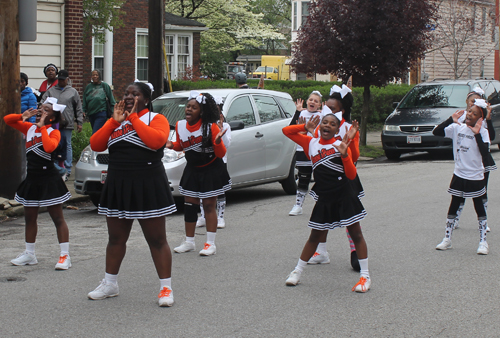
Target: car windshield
x=235, y=69
x=262, y=69
x=171, y=108
x=434, y=96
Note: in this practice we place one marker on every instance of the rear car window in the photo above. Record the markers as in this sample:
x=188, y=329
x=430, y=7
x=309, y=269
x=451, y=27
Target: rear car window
x=241, y=109
x=267, y=108
x=435, y=96
x=288, y=106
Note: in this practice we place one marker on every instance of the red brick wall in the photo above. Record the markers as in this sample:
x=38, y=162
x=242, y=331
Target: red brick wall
x=73, y=46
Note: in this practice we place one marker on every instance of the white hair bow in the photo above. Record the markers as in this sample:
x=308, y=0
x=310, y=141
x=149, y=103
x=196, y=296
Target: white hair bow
x=478, y=90
x=328, y=111
x=199, y=97
x=149, y=85
x=343, y=91
x=218, y=100
x=55, y=105
x=317, y=93
x=480, y=103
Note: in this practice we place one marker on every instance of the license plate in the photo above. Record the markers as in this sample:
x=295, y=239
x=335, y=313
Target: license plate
x=104, y=175
x=413, y=139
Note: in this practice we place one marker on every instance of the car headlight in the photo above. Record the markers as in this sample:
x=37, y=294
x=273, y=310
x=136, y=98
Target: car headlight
x=86, y=155
x=390, y=127
x=172, y=155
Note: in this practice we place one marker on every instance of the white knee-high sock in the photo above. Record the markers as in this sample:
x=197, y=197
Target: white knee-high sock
x=363, y=263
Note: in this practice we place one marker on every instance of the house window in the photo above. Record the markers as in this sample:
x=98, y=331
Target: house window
x=295, y=16
x=98, y=59
x=142, y=55
x=169, y=46
x=304, y=11
x=183, y=48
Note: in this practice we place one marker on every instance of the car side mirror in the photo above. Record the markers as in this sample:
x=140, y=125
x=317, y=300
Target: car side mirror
x=395, y=104
x=236, y=125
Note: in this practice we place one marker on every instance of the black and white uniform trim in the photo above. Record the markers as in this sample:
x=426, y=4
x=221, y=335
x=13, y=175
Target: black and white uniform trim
x=301, y=159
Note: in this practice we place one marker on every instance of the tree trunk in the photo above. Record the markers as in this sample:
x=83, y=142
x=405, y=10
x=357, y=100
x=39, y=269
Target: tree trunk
x=11, y=147
x=364, y=115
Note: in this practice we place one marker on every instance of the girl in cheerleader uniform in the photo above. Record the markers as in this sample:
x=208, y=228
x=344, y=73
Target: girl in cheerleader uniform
x=43, y=186
x=337, y=202
x=303, y=164
x=488, y=162
x=136, y=187
x=470, y=146
x=205, y=175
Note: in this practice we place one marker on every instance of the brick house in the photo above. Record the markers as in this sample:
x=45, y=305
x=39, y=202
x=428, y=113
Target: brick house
x=124, y=56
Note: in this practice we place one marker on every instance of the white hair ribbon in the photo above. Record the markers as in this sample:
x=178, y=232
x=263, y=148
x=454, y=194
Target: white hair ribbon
x=218, y=100
x=480, y=103
x=199, y=97
x=478, y=90
x=328, y=111
x=343, y=91
x=149, y=85
x=317, y=93
x=55, y=105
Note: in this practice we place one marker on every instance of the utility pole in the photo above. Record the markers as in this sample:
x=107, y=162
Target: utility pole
x=155, y=45
x=11, y=140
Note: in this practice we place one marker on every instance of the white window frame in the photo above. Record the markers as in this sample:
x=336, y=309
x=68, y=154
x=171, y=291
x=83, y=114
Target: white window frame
x=139, y=31
x=173, y=67
x=94, y=56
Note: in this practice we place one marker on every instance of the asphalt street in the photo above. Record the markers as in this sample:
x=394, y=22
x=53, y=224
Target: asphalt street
x=417, y=291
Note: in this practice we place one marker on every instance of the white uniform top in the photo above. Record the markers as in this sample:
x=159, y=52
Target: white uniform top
x=307, y=115
x=468, y=160
x=226, y=138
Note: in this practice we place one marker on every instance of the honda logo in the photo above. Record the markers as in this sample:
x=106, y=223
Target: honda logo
x=415, y=128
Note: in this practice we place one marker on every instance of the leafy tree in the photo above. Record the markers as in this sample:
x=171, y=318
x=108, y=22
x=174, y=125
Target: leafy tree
x=99, y=15
x=375, y=41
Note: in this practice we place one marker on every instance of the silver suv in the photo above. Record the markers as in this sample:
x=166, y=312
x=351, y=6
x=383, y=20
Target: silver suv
x=409, y=127
x=259, y=152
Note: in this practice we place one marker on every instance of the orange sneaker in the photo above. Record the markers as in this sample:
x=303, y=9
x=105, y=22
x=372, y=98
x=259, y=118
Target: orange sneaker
x=363, y=285
x=64, y=263
x=165, y=297
x=208, y=249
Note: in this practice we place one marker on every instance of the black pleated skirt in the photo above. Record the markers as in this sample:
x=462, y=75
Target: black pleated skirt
x=42, y=188
x=461, y=187
x=205, y=182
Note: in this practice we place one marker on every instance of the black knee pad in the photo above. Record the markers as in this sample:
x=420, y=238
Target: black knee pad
x=304, y=180
x=191, y=212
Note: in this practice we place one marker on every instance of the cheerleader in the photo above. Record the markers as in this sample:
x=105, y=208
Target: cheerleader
x=488, y=162
x=205, y=176
x=470, y=146
x=302, y=163
x=337, y=202
x=136, y=187
x=221, y=199
x=43, y=186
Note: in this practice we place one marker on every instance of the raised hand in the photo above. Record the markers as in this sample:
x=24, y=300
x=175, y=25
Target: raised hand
x=342, y=147
x=134, y=108
x=477, y=127
x=41, y=123
x=351, y=133
x=456, y=115
x=221, y=121
x=119, y=112
x=299, y=104
x=311, y=125
x=488, y=111
x=29, y=113
x=218, y=138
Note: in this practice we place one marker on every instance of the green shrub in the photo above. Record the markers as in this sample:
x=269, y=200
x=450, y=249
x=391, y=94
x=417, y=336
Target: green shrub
x=80, y=140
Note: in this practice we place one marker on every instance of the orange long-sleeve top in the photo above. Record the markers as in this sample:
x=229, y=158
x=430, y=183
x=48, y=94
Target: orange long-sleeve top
x=219, y=149
x=353, y=146
x=49, y=142
x=154, y=135
x=294, y=132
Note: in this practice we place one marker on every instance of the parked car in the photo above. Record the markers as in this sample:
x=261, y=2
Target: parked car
x=259, y=152
x=409, y=127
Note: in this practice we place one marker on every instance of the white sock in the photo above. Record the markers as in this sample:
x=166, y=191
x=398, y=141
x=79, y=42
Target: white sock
x=166, y=282
x=190, y=239
x=300, y=265
x=111, y=279
x=64, y=248
x=211, y=237
x=363, y=264
x=30, y=248
x=321, y=248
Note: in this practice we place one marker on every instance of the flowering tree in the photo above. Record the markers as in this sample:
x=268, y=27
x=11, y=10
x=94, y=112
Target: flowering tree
x=375, y=41
x=99, y=15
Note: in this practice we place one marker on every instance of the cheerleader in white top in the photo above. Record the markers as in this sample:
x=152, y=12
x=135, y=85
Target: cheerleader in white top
x=470, y=146
x=43, y=186
x=337, y=202
x=205, y=176
x=488, y=162
x=303, y=164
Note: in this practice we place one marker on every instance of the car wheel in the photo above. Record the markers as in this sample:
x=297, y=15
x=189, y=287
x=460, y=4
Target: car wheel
x=95, y=198
x=392, y=154
x=289, y=184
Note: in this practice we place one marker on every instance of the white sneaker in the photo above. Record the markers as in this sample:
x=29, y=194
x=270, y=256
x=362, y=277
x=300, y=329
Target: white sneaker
x=488, y=229
x=296, y=210
x=319, y=258
x=64, y=263
x=201, y=222
x=293, y=278
x=165, y=297
x=221, y=224
x=363, y=285
x=445, y=244
x=104, y=290
x=208, y=249
x=483, y=248
x=185, y=247
x=24, y=258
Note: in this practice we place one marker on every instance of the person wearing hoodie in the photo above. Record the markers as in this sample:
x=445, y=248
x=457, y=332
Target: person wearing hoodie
x=96, y=96
x=28, y=99
x=72, y=115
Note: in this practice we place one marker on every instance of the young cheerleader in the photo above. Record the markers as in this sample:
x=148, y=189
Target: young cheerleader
x=221, y=199
x=302, y=163
x=205, y=176
x=337, y=203
x=470, y=146
x=43, y=186
x=488, y=162
x=136, y=187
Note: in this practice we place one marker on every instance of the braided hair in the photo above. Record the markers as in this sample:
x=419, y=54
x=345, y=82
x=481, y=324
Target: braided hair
x=209, y=114
x=346, y=104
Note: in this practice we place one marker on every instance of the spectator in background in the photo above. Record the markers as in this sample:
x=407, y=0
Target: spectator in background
x=28, y=99
x=95, y=98
x=50, y=72
x=73, y=114
x=241, y=80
